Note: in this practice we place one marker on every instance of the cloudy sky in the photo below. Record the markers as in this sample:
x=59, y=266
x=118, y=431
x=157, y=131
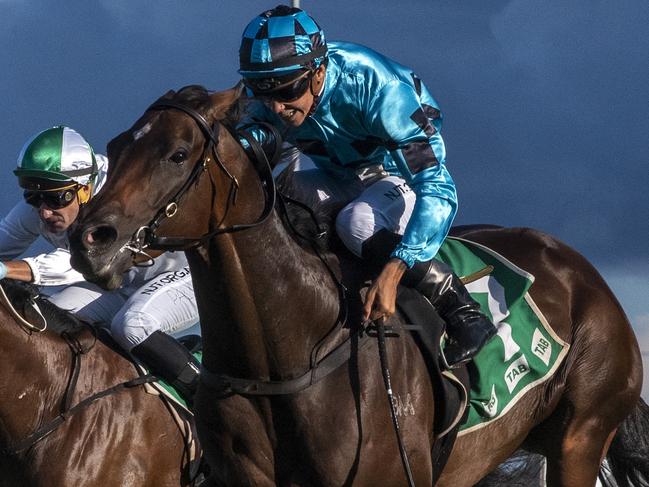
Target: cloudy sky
x=545, y=102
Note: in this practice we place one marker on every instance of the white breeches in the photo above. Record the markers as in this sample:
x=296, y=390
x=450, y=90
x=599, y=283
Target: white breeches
x=132, y=313
x=386, y=204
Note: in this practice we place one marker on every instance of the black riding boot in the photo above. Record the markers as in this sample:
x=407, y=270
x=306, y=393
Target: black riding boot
x=467, y=327
x=170, y=361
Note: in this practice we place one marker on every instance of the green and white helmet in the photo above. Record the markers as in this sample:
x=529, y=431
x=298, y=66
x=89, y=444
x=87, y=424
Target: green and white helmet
x=55, y=158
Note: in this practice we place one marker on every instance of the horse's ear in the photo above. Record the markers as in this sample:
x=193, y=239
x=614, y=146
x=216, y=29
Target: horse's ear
x=115, y=146
x=224, y=103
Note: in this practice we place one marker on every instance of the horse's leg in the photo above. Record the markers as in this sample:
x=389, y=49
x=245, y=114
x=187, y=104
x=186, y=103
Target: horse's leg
x=576, y=462
x=602, y=387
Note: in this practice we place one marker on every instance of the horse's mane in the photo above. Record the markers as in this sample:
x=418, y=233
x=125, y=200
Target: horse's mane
x=58, y=320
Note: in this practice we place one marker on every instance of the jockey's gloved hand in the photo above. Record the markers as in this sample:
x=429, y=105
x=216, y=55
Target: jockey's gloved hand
x=3, y=270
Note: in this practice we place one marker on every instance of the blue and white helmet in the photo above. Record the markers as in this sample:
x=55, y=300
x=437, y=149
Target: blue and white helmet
x=279, y=42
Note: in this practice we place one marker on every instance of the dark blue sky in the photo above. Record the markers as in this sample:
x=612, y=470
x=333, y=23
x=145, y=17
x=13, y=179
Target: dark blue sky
x=545, y=102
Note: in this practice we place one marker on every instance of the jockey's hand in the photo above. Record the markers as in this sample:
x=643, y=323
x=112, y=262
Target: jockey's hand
x=381, y=298
x=18, y=270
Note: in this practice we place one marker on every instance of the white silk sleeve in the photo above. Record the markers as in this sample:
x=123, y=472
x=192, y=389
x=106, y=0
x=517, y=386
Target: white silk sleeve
x=53, y=269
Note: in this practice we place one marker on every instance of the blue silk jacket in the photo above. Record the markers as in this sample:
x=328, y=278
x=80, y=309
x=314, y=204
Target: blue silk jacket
x=373, y=110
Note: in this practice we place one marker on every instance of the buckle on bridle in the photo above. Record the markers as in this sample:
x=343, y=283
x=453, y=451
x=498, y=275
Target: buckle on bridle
x=170, y=210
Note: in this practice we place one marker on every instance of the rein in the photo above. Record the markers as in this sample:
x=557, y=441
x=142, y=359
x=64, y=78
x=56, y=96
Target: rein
x=66, y=409
x=24, y=324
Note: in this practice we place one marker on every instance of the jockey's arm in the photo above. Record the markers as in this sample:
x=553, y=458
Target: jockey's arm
x=18, y=230
x=53, y=269
x=418, y=150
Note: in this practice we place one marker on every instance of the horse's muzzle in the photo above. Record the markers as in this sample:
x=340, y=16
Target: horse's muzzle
x=93, y=254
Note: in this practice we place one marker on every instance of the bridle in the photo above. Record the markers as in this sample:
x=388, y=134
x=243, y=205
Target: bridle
x=145, y=237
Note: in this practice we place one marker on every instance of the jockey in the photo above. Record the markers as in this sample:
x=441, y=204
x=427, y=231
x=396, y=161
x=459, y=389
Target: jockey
x=59, y=173
x=373, y=131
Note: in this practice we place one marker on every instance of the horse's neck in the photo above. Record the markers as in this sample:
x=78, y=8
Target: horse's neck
x=35, y=369
x=271, y=302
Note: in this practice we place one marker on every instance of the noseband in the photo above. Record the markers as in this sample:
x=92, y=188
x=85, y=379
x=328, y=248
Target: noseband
x=145, y=237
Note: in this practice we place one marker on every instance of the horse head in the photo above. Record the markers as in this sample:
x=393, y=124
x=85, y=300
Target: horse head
x=166, y=151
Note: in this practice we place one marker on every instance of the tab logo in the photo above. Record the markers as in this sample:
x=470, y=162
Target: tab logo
x=515, y=372
x=541, y=347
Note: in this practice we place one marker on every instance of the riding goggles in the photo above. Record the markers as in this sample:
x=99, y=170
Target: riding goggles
x=282, y=89
x=54, y=200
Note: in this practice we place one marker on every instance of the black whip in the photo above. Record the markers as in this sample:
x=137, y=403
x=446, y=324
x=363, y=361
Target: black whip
x=385, y=369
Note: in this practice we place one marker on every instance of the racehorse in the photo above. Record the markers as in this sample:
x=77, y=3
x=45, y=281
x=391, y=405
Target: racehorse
x=72, y=412
x=272, y=308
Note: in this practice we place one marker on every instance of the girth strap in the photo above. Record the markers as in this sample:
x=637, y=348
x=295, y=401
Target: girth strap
x=228, y=386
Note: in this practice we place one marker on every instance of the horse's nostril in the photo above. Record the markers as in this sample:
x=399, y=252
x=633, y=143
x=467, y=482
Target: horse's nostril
x=100, y=236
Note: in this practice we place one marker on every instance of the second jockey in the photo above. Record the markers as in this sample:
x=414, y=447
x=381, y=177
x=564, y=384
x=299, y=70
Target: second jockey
x=59, y=172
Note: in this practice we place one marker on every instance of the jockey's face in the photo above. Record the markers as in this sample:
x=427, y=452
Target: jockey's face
x=59, y=220
x=294, y=112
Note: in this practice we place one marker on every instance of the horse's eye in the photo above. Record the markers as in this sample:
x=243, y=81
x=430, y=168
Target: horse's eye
x=179, y=156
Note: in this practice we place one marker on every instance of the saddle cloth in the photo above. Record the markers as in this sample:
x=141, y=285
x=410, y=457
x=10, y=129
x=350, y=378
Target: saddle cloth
x=526, y=351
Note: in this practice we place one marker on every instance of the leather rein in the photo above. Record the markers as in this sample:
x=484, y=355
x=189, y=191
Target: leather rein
x=67, y=410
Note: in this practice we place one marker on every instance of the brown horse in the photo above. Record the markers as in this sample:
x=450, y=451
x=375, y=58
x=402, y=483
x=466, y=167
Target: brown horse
x=271, y=309
x=59, y=429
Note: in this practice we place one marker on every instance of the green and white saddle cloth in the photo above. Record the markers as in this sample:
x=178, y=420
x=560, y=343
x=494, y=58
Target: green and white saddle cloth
x=525, y=353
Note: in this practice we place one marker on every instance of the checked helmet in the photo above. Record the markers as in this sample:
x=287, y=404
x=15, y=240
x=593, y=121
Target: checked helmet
x=280, y=42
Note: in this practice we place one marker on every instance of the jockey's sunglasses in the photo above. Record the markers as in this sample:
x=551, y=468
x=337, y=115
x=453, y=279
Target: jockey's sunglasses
x=281, y=89
x=54, y=200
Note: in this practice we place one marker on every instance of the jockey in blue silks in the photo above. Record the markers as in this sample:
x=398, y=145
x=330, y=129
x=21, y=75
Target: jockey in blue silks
x=372, y=129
